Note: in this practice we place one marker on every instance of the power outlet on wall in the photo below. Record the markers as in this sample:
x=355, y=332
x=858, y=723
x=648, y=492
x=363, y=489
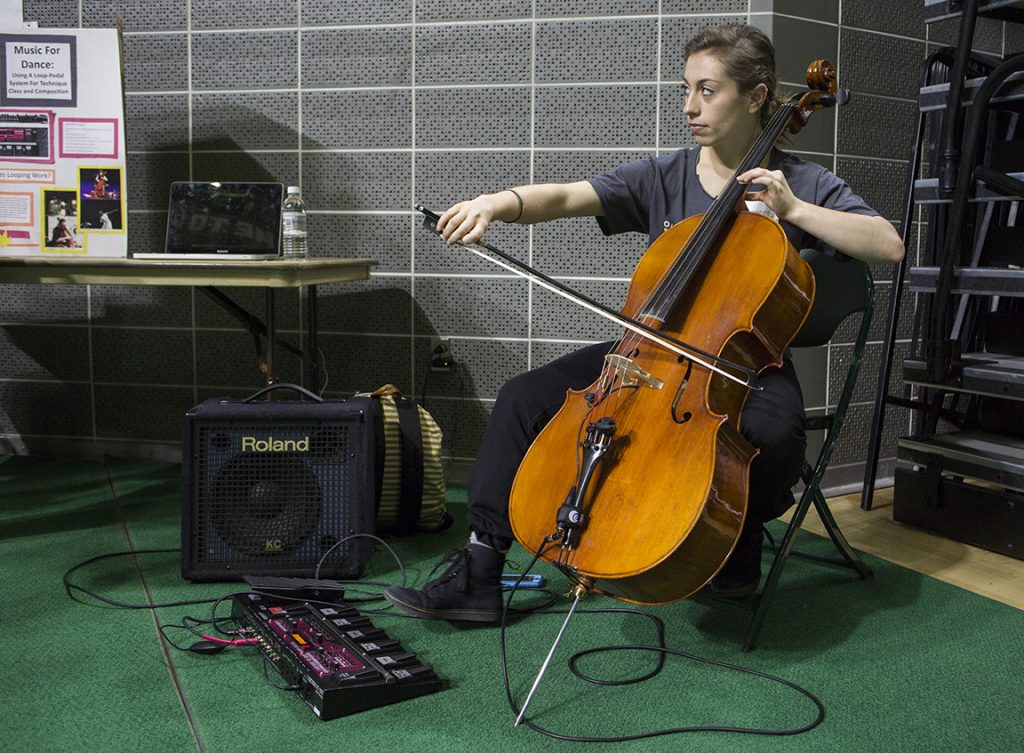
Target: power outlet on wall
x=440, y=354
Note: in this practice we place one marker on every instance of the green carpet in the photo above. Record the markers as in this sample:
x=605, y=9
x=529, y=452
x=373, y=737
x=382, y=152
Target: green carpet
x=902, y=662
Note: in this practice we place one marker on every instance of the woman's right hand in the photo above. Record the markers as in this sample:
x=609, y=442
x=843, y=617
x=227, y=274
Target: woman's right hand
x=466, y=221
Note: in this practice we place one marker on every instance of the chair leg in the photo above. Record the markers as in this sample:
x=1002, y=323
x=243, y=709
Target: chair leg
x=838, y=538
x=764, y=599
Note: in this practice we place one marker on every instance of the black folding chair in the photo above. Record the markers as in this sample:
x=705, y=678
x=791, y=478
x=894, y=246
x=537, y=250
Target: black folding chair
x=843, y=288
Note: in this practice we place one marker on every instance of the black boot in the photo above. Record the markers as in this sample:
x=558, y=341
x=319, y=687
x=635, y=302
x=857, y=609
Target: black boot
x=469, y=590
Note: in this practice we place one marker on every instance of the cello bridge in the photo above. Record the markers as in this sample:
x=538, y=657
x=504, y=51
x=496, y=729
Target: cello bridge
x=627, y=372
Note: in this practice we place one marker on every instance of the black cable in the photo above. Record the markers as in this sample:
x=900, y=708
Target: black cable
x=162, y=627
x=184, y=625
x=659, y=627
x=190, y=624
x=319, y=564
x=72, y=587
x=507, y=609
x=291, y=687
x=662, y=651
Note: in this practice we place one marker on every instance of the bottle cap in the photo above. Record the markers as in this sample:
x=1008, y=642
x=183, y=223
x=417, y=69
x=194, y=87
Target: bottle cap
x=293, y=189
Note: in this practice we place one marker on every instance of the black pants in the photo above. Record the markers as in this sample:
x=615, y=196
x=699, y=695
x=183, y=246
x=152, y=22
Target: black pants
x=772, y=420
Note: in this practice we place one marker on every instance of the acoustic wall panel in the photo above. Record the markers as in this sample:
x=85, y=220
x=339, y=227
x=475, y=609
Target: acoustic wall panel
x=125, y=355
x=456, y=10
x=480, y=367
x=137, y=15
x=156, y=62
x=127, y=305
x=473, y=117
x=32, y=408
x=36, y=303
x=47, y=352
x=373, y=236
x=471, y=306
x=333, y=13
x=597, y=50
x=343, y=57
x=613, y=116
x=357, y=119
x=150, y=175
x=239, y=120
x=216, y=14
x=356, y=180
x=245, y=60
x=380, y=304
x=157, y=122
x=279, y=167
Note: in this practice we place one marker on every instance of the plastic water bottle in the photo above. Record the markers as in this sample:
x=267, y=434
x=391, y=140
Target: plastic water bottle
x=293, y=225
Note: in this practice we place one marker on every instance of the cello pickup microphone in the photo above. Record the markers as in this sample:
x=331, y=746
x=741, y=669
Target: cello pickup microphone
x=570, y=517
x=570, y=521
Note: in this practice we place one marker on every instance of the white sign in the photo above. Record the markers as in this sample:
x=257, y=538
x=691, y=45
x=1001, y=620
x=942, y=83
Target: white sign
x=38, y=70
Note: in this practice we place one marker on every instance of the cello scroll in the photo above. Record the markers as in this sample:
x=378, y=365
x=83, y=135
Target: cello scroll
x=824, y=92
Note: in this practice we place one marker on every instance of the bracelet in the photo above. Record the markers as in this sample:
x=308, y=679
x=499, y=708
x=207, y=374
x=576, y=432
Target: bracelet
x=520, y=200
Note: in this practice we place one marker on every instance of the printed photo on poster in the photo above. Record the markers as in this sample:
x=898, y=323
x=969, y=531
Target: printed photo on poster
x=100, y=182
x=101, y=215
x=26, y=136
x=101, y=206
x=60, y=220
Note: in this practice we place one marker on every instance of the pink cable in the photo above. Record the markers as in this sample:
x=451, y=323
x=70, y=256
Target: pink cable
x=237, y=642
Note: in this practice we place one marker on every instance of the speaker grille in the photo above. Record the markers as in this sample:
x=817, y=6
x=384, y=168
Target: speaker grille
x=273, y=497
x=264, y=505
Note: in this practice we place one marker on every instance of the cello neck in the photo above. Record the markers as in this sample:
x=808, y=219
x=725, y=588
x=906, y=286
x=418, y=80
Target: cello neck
x=733, y=191
x=715, y=222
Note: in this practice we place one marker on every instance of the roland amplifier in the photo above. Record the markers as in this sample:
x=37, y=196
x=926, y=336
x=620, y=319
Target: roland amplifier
x=272, y=486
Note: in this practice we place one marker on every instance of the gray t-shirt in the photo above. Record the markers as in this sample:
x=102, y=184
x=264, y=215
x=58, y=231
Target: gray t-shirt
x=652, y=194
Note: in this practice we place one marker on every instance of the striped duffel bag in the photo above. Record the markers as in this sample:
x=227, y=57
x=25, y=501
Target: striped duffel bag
x=410, y=490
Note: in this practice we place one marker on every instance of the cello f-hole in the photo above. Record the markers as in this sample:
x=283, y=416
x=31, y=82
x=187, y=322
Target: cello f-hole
x=679, y=394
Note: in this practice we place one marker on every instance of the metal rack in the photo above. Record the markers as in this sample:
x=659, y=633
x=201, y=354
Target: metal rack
x=961, y=473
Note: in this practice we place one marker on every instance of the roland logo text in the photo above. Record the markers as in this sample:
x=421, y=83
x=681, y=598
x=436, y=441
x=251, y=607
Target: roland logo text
x=269, y=444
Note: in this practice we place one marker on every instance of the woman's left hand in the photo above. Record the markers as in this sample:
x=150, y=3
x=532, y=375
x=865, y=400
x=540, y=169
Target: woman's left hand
x=775, y=192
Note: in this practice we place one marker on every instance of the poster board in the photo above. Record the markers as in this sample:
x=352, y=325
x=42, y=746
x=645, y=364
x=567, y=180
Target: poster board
x=62, y=160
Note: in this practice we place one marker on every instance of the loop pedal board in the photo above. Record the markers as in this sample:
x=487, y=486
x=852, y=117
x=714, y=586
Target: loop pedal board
x=332, y=655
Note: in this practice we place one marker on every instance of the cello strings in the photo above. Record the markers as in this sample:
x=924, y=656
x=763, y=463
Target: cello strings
x=725, y=202
x=674, y=280
x=677, y=276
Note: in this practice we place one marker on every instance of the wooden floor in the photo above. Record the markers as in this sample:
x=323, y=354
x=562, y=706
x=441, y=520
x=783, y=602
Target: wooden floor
x=874, y=531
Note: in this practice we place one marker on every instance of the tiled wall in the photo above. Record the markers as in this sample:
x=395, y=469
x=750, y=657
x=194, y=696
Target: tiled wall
x=374, y=105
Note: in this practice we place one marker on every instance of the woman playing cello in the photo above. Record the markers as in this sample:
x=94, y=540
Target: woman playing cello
x=730, y=94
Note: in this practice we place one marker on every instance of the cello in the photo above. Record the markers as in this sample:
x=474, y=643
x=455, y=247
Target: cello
x=637, y=487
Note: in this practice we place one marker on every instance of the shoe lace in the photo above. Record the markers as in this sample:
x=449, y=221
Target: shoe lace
x=457, y=561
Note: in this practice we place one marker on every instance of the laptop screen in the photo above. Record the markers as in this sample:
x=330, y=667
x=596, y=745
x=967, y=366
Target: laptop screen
x=225, y=219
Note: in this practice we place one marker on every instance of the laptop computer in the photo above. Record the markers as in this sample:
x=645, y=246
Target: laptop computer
x=213, y=220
